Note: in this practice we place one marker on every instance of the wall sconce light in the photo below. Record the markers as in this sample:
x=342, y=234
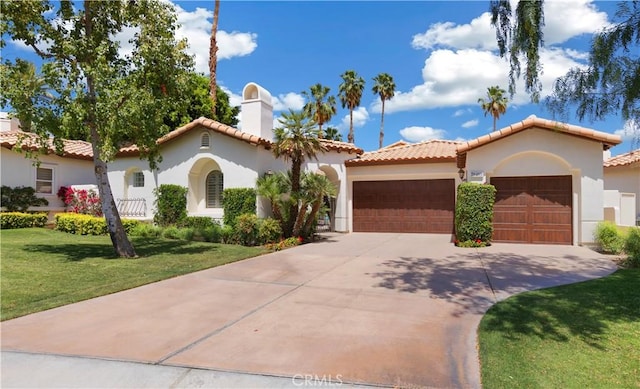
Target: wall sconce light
x=461, y=173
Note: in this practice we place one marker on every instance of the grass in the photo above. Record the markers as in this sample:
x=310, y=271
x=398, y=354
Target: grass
x=42, y=269
x=585, y=335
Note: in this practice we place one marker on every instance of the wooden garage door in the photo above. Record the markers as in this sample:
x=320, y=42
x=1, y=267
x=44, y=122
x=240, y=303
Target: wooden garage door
x=404, y=206
x=533, y=209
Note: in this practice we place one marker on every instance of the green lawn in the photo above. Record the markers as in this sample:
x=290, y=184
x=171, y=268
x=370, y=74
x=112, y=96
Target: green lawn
x=42, y=269
x=585, y=335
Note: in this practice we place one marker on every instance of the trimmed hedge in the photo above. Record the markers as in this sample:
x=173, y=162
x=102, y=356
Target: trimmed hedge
x=75, y=223
x=236, y=202
x=20, y=198
x=474, y=212
x=10, y=220
x=171, y=204
x=199, y=222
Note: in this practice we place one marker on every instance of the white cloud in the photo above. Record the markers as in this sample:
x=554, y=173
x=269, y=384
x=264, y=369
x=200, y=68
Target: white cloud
x=418, y=134
x=470, y=123
x=566, y=19
x=360, y=118
x=630, y=131
x=291, y=100
x=196, y=27
x=234, y=99
x=461, y=112
x=478, y=34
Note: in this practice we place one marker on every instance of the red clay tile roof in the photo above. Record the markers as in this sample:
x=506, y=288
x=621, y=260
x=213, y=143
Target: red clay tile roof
x=429, y=151
x=341, y=146
x=396, y=144
x=71, y=148
x=607, y=139
x=623, y=159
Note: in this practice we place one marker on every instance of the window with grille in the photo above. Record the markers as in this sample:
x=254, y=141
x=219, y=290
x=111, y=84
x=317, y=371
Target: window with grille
x=205, y=141
x=44, y=180
x=214, y=189
x=138, y=180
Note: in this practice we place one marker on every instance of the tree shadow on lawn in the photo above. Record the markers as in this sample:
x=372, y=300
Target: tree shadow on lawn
x=551, y=313
x=80, y=252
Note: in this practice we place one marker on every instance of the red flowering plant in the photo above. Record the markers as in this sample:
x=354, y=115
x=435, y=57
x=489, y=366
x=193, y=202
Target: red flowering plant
x=82, y=201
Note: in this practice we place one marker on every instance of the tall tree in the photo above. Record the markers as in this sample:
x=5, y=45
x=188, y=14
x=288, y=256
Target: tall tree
x=350, y=93
x=317, y=107
x=213, y=58
x=386, y=89
x=333, y=133
x=610, y=84
x=495, y=104
x=296, y=141
x=520, y=37
x=97, y=92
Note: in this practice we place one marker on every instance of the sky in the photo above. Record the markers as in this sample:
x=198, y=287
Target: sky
x=442, y=55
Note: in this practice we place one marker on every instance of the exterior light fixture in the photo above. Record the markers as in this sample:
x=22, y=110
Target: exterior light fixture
x=461, y=173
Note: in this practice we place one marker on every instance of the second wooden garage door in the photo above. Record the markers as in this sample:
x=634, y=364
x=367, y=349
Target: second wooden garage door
x=533, y=209
x=404, y=206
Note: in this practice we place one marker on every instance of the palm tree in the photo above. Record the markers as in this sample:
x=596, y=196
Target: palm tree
x=270, y=186
x=317, y=108
x=317, y=187
x=296, y=141
x=386, y=89
x=333, y=133
x=350, y=94
x=495, y=104
x=213, y=59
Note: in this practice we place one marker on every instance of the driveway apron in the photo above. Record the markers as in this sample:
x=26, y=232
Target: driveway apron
x=382, y=309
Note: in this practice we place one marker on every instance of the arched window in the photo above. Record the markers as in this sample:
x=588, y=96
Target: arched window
x=205, y=141
x=215, y=187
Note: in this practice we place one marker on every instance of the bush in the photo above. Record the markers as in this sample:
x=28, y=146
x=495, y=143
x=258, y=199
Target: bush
x=474, y=212
x=198, y=222
x=246, y=229
x=171, y=204
x=80, y=201
x=171, y=232
x=20, y=198
x=10, y=220
x=186, y=233
x=227, y=235
x=145, y=230
x=285, y=244
x=608, y=238
x=75, y=223
x=269, y=231
x=211, y=234
x=632, y=247
x=236, y=202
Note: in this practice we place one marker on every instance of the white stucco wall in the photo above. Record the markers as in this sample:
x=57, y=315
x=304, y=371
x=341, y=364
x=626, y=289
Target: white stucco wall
x=419, y=171
x=625, y=179
x=538, y=152
x=16, y=170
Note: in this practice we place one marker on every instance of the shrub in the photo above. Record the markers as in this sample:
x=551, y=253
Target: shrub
x=20, y=198
x=198, y=222
x=246, y=229
x=632, y=247
x=185, y=233
x=171, y=204
x=285, y=244
x=236, y=202
x=80, y=201
x=171, y=232
x=80, y=224
x=474, y=212
x=472, y=243
x=608, y=238
x=227, y=235
x=145, y=230
x=10, y=220
x=211, y=234
x=269, y=231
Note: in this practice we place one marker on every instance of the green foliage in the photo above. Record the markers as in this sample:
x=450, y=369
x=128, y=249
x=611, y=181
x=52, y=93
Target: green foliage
x=350, y=93
x=171, y=204
x=246, y=229
x=199, y=222
x=227, y=234
x=495, y=104
x=385, y=87
x=10, y=220
x=285, y=243
x=474, y=212
x=171, y=232
x=472, y=243
x=211, y=234
x=269, y=231
x=79, y=224
x=186, y=233
x=145, y=230
x=20, y=198
x=609, y=238
x=632, y=247
x=317, y=108
x=236, y=202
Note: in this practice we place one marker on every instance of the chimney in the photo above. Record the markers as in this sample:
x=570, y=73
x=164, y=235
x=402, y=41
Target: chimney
x=257, y=111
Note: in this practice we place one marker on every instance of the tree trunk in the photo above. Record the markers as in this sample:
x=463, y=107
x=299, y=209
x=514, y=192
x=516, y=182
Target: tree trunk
x=312, y=215
x=351, y=140
x=296, y=166
x=213, y=60
x=382, y=125
x=121, y=243
x=297, y=227
x=495, y=119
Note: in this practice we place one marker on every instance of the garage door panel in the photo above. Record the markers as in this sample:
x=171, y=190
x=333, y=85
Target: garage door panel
x=404, y=206
x=533, y=209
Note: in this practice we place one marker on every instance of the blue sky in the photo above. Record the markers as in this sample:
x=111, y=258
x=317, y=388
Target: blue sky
x=442, y=55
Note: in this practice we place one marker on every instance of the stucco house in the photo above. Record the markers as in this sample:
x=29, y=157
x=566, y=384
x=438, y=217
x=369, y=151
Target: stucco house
x=622, y=188
x=549, y=176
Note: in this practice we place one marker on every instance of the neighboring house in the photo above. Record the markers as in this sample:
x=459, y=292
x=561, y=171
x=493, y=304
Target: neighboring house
x=73, y=167
x=548, y=175
x=622, y=186
x=206, y=157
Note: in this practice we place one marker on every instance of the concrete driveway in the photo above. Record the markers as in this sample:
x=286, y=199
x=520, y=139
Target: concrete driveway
x=380, y=309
